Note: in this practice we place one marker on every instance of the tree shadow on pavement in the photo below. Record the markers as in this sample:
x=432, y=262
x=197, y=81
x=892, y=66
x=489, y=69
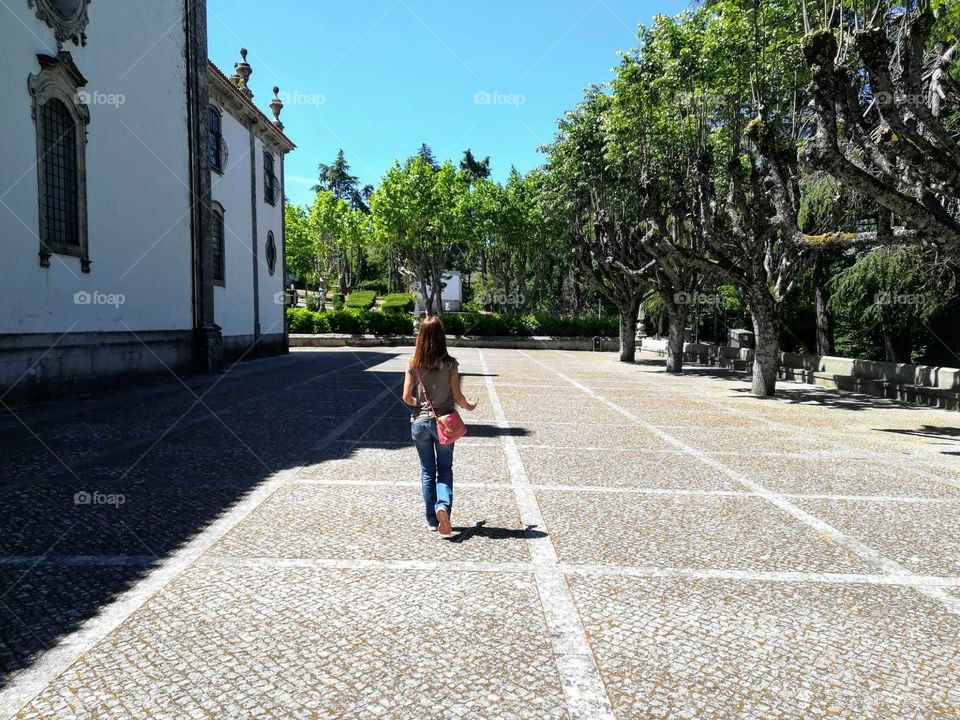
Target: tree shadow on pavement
x=939, y=435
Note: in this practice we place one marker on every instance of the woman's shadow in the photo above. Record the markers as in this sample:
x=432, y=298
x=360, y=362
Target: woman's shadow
x=495, y=533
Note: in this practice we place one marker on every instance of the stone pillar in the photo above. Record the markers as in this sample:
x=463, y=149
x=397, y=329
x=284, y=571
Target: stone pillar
x=207, y=337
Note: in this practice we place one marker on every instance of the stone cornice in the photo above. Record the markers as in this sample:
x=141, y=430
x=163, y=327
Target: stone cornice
x=231, y=98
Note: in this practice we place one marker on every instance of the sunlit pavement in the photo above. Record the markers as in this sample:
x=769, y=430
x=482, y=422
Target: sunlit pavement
x=628, y=544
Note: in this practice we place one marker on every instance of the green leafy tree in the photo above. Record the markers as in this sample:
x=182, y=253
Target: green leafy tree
x=475, y=169
x=422, y=214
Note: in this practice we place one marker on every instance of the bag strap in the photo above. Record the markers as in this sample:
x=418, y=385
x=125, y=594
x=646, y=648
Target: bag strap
x=425, y=393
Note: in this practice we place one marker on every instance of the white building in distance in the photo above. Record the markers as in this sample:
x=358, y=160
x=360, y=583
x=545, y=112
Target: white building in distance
x=129, y=250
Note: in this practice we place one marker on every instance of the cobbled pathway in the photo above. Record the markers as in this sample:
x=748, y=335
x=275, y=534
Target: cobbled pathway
x=627, y=545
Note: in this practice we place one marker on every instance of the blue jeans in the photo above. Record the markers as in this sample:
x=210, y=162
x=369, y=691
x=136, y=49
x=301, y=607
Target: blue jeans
x=436, y=469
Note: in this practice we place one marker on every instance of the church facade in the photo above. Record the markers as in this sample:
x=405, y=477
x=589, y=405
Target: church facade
x=141, y=201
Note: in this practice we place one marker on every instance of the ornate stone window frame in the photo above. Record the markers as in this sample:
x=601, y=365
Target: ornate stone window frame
x=60, y=79
x=67, y=26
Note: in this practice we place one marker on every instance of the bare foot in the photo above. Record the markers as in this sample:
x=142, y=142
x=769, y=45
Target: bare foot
x=444, y=529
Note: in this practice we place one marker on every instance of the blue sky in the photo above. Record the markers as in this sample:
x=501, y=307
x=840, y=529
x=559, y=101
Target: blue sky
x=379, y=77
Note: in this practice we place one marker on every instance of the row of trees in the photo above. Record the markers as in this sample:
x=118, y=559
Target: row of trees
x=426, y=218
x=761, y=144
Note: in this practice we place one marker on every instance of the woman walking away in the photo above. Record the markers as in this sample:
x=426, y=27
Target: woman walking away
x=432, y=389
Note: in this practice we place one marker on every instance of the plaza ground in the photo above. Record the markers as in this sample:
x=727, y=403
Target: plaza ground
x=628, y=545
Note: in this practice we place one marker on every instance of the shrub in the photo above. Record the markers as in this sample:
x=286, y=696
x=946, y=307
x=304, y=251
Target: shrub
x=355, y=322
x=380, y=287
x=320, y=323
x=337, y=302
x=347, y=322
x=390, y=323
x=488, y=324
x=398, y=302
x=361, y=299
x=301, y=320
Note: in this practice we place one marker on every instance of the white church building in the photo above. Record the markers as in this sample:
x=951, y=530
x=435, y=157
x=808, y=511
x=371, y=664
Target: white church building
x=141, y=199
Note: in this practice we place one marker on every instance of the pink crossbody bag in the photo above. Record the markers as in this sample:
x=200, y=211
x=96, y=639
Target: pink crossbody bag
x=450, y=428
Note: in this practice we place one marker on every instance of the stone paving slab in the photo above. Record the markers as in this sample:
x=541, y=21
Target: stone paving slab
x=349, y=462
x=757, y=651
x=743, y=533
x=843, y=477
x=380, y=523
x=267, y=642
x=544, y=433
x=622, y=469
x=742, y=439
x=925, y=538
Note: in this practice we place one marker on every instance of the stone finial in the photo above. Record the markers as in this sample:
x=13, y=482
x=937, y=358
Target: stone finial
x=276, y=105
x=242, y=73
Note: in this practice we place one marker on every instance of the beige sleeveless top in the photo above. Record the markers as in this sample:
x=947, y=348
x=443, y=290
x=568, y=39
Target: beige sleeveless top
x=437, y=383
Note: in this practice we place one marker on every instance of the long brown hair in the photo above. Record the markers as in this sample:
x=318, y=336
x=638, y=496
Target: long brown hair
x=431, y=349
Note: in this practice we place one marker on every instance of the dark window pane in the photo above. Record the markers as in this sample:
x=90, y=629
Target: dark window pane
x=60, y=201
x=269, y=180
x=218, y=254
x=215, y=139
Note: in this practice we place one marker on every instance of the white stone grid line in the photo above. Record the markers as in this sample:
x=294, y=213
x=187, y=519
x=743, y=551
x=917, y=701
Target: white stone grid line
x=669, y=492
x=582, y=684
x=865, y=552
x=31, y=681
x=590, y=570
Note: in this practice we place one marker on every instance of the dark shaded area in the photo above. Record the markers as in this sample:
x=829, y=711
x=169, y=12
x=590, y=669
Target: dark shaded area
x=942, y=435
x=96, y=490
x=481, y=529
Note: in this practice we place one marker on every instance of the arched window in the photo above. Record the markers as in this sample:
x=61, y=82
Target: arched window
x=217, y=149
x=217, y=240
x=61, y=123
x=271, y=253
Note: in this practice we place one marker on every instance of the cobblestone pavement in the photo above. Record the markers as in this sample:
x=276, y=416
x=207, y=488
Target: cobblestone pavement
x=628, y=545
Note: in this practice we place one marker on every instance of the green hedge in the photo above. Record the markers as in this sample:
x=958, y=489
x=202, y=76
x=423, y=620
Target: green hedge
x=361, y=299
x=357, y=322
x=398, y=302
x=488, y=324
x=381, y=287
x=348, y=322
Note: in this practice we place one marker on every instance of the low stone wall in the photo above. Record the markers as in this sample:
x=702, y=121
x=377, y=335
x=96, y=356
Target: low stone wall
x=507, y=343
x=918, y=384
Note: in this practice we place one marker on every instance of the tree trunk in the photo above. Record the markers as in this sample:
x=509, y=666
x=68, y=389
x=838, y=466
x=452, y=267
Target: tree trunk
x=628, y=333
x=897, y=344
x=394, y=282
x=825, y=335
x=677, y=321
x=766, y=358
